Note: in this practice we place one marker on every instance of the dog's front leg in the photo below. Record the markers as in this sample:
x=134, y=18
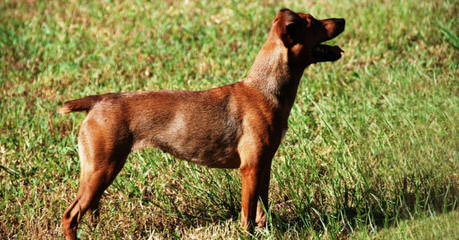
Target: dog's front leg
x=263, y=203
x=251, y=176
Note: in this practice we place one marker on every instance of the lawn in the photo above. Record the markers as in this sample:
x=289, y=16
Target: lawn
x=372, y=149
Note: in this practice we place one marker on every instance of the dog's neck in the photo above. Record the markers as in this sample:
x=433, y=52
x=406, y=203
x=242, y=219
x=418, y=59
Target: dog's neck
x=272, y=74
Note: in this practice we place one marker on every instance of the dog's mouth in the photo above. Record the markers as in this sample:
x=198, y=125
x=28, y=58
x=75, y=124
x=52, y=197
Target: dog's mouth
x=323, y=53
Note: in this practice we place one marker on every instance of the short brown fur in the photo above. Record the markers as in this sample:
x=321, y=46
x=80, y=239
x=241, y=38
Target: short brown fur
x=235, y=126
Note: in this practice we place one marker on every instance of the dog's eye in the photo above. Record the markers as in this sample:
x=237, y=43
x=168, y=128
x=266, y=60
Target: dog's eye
x=305, y=22
x=314, y=23
x=309, y=22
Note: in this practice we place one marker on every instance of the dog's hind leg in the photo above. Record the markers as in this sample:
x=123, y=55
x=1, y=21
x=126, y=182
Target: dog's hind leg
x=101, y=160
x=91, y=189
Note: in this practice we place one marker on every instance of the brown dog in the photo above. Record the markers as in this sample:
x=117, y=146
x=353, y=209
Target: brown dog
x=235, y=126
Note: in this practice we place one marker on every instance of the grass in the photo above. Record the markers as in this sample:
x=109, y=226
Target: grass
x=443, y=226
x=372, y=146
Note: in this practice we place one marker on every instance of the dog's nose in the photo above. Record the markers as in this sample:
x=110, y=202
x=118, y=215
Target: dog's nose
x=340, y=22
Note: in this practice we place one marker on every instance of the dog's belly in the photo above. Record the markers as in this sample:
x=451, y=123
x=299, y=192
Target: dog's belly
x=212, y=154
x=219, y=157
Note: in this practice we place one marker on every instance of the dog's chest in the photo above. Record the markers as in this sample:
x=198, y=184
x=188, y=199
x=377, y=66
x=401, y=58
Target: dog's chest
x=284, y=131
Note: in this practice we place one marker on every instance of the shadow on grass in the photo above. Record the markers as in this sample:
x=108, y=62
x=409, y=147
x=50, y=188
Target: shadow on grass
x=374, y=211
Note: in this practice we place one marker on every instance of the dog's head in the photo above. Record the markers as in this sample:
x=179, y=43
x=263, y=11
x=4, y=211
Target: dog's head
x=303, y=35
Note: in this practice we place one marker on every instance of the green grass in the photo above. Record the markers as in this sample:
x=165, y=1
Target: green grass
x=443, y=227
x=372, y=146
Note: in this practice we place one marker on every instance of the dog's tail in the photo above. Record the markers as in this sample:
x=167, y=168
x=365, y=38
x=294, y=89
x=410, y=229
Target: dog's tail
x=83, y=104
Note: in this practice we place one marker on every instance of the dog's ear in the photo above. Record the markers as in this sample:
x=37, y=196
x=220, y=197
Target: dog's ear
x=291, y=25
